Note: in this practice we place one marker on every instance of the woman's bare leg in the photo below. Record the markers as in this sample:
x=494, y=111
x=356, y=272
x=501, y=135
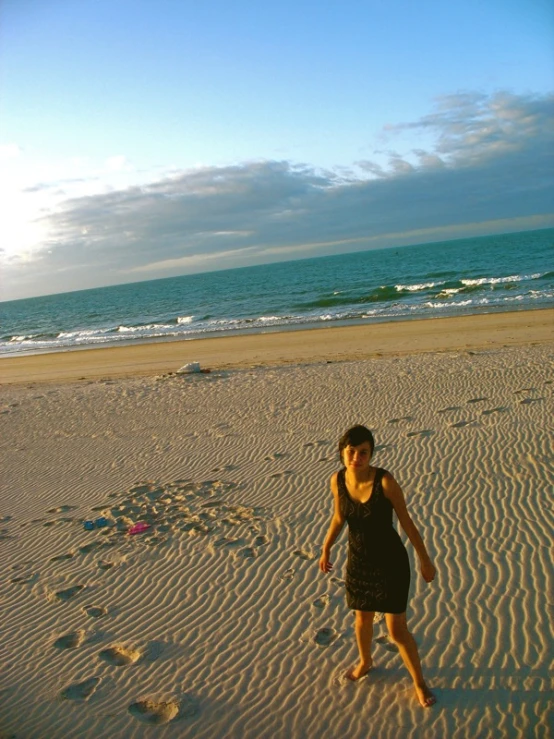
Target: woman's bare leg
x=401, y=636
x=364, y=635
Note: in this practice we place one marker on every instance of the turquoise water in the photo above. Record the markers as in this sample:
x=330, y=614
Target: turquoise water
x=480, y=275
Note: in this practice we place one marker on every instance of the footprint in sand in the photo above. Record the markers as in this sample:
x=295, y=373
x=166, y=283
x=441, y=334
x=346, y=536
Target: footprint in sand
x=424, y=432
x=68, y=593
x=87, y=548
x=24, y=580
x=261, y=540
x=325, y=637
x=528, y=401
x=500, y=409
x=380, y=447
x=450, y=408
x=70, y=641
x=80, y=691
x=62, y=509
x=303, y=554
x=62, y=557
x=151, y=712
x=142, y=489
x=95, y=611
x=246, y=553
x=402, y=418
x=337, y=581
x=321, y=602
x=389, y=646
x=105, y=565
x=48, y=524
x=287, y=574
x=459, y=424
x=228, y=541
x=119, y=656
x=476, y=400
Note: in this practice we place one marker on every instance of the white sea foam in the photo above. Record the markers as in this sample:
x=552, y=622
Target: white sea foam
x=184, y=319
x=449, y=291
x=77, y=334
x=142, y=329
x=416, y=288
x=443, y=306
x=500, y=280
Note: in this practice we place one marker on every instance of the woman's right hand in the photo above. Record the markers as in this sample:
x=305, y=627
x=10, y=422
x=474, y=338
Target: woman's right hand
x=324, y=564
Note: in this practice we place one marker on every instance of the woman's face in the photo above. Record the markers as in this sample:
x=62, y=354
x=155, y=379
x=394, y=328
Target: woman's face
x=357, y=457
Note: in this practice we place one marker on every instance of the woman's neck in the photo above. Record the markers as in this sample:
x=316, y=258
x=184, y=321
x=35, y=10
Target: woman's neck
x=359, y=477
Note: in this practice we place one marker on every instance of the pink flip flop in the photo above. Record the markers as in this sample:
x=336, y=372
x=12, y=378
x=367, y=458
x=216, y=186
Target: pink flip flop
x=139, y=528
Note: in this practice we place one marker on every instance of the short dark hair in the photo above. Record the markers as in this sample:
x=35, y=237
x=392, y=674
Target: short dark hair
x=354, y=437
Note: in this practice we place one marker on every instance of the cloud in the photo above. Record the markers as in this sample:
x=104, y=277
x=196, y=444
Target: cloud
x=490, y=167
x=471, y=128
x=117, y=163
x=9, y=151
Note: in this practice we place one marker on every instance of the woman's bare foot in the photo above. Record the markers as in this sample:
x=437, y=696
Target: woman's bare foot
x=425, y=696
x=361, y=670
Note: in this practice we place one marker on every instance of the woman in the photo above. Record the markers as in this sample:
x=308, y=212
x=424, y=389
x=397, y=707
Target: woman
x=378, y=569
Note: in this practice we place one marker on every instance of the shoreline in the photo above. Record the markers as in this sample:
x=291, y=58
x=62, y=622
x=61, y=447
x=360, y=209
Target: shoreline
x=277, y=328
x=304, y=346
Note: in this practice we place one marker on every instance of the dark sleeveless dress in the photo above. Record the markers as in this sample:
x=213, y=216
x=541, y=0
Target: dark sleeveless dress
x=378, y=568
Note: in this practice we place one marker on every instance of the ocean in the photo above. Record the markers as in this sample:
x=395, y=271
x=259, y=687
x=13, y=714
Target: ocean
x=479, y=275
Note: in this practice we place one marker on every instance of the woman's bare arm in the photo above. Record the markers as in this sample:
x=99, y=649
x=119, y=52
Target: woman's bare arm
x=393, y=492
x=335, y=527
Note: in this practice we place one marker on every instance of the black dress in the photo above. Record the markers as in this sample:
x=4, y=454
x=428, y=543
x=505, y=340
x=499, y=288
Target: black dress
x=378, y=568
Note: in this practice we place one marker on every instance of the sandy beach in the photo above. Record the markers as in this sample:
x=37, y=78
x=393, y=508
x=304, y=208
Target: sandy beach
x=215, y=622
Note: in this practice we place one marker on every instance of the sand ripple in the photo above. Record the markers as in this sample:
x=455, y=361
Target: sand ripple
x=216, y=621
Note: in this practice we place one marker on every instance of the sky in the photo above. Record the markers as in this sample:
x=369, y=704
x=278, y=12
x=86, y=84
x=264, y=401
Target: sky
x=141, y=140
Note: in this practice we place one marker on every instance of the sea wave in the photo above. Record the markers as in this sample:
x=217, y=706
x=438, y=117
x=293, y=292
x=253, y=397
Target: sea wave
x=143, y=328
x=415, y=288
x=82, y=333
x=500, y=280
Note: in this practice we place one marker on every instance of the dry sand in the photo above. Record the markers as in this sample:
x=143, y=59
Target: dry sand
x=217, y=623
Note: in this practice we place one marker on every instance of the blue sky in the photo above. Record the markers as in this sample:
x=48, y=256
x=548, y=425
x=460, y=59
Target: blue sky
x=142, y=140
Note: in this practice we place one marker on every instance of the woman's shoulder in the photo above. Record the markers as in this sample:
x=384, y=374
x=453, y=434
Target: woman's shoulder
x=335, y=475
x=335, y=478
x=385, y=477
x=389, y=485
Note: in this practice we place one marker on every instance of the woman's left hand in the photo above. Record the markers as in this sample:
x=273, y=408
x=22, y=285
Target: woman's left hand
x=428, y=570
